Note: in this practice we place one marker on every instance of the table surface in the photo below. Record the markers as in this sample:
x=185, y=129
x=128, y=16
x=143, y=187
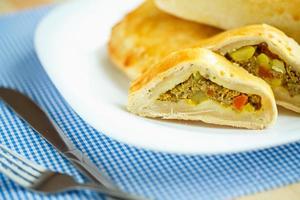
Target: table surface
x=291, y=192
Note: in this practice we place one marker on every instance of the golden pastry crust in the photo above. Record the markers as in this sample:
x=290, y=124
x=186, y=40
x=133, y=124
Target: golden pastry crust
x=164, y=65
x=146, y=35
x=229, y=14
x=278, y=43
x=177, y=67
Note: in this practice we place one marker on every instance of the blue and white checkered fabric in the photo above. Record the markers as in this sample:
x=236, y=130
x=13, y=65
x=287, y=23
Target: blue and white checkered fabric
x=156, y=175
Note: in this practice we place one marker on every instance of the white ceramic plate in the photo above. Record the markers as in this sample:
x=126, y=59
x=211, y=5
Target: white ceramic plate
x=71, y=44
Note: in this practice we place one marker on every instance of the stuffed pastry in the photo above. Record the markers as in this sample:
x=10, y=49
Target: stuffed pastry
x=228, y=14
x=146, y=35
x=266, y=52
x=198, y=84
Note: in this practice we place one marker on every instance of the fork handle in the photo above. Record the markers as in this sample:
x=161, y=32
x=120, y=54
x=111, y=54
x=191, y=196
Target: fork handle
x=117, y=194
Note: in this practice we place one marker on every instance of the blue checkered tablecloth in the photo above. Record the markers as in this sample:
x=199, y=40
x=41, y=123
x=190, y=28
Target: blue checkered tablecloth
x=157, y=175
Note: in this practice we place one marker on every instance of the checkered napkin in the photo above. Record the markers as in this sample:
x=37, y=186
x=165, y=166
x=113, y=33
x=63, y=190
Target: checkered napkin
x=156, y=175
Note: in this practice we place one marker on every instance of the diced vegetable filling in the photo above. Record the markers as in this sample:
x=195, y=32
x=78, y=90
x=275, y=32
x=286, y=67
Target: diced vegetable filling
x=197, y=89
x=260, y=61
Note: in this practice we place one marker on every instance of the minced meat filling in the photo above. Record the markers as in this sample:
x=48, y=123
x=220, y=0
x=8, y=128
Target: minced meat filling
x=197, y=88
x=292, y=81
x=260, y=61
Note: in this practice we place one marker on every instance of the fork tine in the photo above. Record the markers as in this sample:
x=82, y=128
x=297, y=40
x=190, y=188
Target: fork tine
x=24, y=160
x=15, y=167
x=18, y=179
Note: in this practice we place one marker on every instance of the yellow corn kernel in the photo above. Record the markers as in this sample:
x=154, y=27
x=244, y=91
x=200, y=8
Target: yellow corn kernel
x=198, y=97
x=276, y=82
x=190, y=102
x=264, y=61
x=249, y=108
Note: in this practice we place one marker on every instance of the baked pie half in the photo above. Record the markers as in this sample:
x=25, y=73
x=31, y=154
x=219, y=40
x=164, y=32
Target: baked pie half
x=146, y=35
x=265, y=52
x=198, y=84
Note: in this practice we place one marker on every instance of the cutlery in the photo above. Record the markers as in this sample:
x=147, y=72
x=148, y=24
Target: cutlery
x=42, y=124
x=39, y=179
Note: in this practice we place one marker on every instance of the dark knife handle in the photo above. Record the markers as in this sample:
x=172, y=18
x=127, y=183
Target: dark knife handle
x=41, y=123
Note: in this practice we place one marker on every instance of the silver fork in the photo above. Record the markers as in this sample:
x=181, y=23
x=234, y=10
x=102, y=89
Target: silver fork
x=39, y=179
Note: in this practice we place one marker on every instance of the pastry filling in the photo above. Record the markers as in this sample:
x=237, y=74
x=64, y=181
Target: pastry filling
x=260, y=61
x=197, y=89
